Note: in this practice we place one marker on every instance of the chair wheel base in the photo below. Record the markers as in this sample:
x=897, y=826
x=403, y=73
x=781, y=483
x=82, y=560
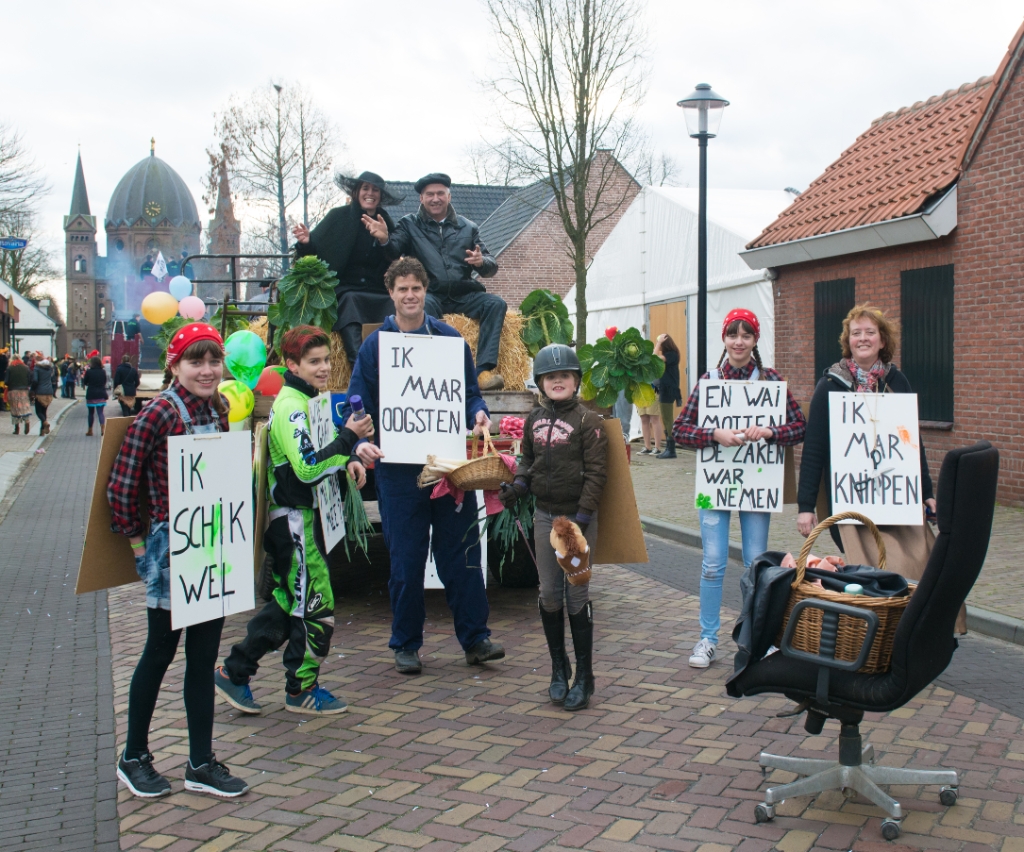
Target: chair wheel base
x=890, y=829
x=948, y=796
x=764, y=813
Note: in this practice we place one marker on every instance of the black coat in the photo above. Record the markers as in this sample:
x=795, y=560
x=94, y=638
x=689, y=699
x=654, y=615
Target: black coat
x=95, y=383
x=333, y=239
x=441, y=247
x=127, y=377
x=668, y=384
x=816, y=458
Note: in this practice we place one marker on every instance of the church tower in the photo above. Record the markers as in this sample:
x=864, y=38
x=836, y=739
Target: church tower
x=225, y=235
x=87, y=306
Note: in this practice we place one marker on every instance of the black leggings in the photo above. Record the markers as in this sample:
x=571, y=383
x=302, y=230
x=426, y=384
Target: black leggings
x=202, y=645
x=99, y=413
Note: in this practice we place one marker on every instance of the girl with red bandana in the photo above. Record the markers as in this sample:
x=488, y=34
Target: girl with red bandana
x=740, y=361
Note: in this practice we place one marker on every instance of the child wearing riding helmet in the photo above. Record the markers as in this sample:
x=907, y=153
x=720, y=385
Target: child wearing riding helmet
x=564, y=466
x=740, y=361
x=190, y=405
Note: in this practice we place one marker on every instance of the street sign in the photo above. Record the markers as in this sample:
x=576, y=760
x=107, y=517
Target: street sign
x=12, y=243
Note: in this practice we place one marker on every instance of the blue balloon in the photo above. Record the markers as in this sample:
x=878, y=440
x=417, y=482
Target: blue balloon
x=180, y=287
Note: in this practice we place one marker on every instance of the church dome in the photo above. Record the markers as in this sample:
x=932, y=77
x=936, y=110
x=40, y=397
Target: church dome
x=152, y=190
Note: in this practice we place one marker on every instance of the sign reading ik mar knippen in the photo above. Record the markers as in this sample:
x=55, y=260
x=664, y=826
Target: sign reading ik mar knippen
x=876, y=456
x=422, y=397
x=209, y=486
x=748, y=477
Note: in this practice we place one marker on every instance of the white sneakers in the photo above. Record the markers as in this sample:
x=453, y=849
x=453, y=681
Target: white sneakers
x=703, y=654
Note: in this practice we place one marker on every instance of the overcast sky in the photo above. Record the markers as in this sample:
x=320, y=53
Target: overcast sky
x=402, y=79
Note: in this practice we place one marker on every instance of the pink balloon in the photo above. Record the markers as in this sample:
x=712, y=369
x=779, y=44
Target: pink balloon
x=192, y=307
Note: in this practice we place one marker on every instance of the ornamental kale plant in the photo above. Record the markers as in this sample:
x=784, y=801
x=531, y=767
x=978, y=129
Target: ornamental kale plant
x=545, y=321
x=305, y=297
x=625, y=363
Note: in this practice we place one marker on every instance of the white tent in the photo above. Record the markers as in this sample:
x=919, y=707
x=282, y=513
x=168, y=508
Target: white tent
x=35, y=330
x=650, y=258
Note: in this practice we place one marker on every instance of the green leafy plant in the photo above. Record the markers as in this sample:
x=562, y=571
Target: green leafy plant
x=624, y=363
x=164, y=336
x=236, y=321
x=502, y=527
x=305, y=297
x=358, y=528
x=545, y=321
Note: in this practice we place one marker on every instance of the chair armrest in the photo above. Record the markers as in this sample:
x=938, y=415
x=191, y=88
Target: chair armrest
x=829, y=629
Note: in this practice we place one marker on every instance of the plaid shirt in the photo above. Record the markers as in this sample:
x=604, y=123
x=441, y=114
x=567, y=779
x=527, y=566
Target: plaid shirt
x=144, y=454
x=688, y=434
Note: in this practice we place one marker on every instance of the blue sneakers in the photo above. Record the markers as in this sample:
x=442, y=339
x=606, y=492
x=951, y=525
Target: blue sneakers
x=316, y=700
x=239, y=697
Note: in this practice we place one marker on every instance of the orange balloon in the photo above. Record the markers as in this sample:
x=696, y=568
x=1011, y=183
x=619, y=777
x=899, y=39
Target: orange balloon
x=159, y=307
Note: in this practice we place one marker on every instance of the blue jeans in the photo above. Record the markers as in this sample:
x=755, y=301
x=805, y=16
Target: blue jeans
x=154, y=566
x=714, y=532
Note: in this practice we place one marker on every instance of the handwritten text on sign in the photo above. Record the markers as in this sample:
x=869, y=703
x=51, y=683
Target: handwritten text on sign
x=328, y=492
x=748, y=477
x=209, y=486
x=876, y=456
x=422, y=397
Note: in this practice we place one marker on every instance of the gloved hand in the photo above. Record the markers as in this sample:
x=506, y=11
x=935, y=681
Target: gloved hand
x=583, y=521
x=510, y=494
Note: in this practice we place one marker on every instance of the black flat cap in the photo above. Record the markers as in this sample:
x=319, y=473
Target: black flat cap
x=434, y=177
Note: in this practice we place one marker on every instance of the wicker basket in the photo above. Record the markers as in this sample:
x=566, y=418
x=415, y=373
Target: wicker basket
x=852, y=631
x=486, y=472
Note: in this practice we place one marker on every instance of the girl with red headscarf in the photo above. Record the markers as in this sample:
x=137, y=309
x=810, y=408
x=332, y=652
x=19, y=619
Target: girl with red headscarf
x=740, y=361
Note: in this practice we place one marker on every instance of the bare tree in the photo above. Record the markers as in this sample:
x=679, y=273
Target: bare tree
x=495, y=165
x=278, y=148
x=27, y=269
x=653, y=169
x=21, y=185
x=573, y=77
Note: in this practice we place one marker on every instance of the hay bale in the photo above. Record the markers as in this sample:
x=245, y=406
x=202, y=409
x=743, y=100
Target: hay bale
x=513, y=359
x=340, y=370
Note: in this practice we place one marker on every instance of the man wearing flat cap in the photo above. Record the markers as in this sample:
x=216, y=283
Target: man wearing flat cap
x=449, y=246
x=343, y=241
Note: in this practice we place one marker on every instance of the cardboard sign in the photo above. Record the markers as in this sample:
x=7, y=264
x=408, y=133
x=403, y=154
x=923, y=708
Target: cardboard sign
x=422, y=397
x=260, y=463
x=876, y=456
x=209, y=486
x=620, y=535
x=328, y=492
x=749, y=477
x=107, y=558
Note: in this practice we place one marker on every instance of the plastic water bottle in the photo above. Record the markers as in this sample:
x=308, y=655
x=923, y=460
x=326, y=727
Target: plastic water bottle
x=358, y=412
x=853, y=589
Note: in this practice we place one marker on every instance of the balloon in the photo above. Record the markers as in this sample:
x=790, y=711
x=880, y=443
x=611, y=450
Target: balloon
x=192, y=307
x=246, y=356
x=159, y=307
x=610, y=332
x=240, y=399
x=271, y=381
x=180, y=287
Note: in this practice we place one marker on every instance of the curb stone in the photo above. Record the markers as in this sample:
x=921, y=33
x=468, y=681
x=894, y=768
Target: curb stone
x=983, y=621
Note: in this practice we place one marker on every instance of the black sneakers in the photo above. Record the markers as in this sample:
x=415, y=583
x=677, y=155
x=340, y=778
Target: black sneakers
x=141, y=777
x=484, y=651
x=213, y=778
x=408, y=662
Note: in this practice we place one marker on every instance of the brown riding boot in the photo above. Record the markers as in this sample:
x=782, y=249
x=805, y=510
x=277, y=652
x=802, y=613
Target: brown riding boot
x=89, y=433
x=102, y=427
x=46, y=428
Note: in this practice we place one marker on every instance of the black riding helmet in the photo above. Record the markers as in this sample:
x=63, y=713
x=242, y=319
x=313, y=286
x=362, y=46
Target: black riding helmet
x=553, y=359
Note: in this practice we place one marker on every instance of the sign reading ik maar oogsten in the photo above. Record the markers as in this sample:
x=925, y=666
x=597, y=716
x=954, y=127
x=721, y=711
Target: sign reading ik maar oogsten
x=876, y=456
x=209, y=485
x=748, y=477
x=422, y=397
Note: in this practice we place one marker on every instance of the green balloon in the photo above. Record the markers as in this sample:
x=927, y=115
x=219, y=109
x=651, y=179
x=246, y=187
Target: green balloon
x=246, y=357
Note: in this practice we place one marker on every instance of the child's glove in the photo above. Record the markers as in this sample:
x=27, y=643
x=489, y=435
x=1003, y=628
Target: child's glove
x=510, y=494
x=583, y=521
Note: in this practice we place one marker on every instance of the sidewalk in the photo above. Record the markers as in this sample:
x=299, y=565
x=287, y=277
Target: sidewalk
x=16, y=450
x=664, y=492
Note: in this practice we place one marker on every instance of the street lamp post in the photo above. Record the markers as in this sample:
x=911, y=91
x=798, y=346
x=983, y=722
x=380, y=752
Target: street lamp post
x=703, y=112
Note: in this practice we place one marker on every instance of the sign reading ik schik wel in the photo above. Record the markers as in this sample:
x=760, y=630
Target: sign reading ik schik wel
x=209, y=485
x=748, y=477
x=876, y=456
x=422, y=397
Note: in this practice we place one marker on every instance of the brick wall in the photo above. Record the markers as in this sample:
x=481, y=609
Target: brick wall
x=538, y=257
x=987, y=251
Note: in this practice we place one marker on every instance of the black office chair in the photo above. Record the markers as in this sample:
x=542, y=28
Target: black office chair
x=832, y=689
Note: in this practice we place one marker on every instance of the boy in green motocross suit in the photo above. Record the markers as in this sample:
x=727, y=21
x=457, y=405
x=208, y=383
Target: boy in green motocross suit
x=301, y=610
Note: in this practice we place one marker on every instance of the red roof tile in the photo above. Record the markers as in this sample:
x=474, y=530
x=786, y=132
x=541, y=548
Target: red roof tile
x=903, y=159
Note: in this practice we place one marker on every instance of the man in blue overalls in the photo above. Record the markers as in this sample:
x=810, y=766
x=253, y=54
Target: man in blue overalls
x=407, y=512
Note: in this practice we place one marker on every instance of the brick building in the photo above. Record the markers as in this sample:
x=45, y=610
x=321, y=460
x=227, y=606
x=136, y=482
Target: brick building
x=924, y=217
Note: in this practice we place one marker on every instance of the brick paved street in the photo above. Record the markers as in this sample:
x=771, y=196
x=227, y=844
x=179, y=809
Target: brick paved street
x=664, y=490
x=57, y=785
x=463, y=758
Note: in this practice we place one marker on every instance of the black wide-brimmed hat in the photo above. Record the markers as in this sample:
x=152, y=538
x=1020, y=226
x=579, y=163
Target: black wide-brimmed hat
x=433, y=177
x=351, y=185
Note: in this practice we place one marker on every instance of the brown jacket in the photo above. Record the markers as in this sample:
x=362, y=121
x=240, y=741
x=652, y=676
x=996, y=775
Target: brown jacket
x=564, y=457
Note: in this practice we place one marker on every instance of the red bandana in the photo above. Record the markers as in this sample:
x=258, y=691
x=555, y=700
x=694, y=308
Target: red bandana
x=749, y=317
x=188, y=334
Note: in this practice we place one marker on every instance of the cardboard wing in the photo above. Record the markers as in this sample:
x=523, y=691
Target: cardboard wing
x=107, y=559
x=620, y=536
x=261, y=459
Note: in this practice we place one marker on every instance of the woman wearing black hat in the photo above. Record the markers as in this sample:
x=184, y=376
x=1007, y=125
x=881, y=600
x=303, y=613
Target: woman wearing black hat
x=342, y=241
